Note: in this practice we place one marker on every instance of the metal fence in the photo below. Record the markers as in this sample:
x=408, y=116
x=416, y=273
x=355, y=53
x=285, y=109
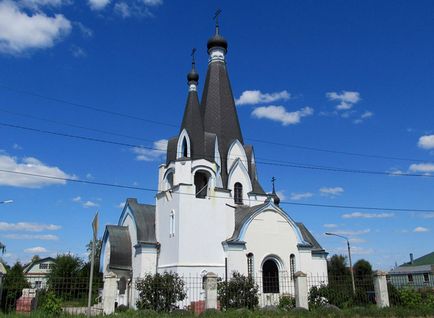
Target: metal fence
x=278, y=290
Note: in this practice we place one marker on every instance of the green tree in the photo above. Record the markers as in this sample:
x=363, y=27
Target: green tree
x=239, y=292
x=337, y=266
x=13, y=284
x=98, y=246
x=160, y=292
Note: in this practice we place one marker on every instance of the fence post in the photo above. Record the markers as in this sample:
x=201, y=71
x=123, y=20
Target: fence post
x=210, y=291
x=109, y=293
x=301, y=292
x=380, y=286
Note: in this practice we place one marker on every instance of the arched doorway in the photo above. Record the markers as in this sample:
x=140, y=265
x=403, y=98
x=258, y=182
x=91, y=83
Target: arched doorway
x=270, y=276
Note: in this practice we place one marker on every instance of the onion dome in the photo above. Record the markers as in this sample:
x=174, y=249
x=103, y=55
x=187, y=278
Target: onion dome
x=217, y=41
x=193, y=76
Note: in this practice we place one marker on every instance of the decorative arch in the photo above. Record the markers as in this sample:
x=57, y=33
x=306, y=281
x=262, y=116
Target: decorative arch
x=236, y=152
x=201, y=182
x=244, y=180
x=183, y=149
x=168, y=179
x=271, y=265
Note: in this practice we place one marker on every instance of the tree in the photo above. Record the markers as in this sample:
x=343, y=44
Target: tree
x=337, y=266
x=13, y=284
x=64, y=278
x=239, y=292
x=160, y=292
x=98, y=246
x=362, y=269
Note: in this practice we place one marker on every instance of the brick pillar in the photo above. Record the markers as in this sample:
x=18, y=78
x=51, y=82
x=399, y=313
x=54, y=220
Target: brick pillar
x=211, y=291
x=380, y=286
x=301, y=292
x=109, y=293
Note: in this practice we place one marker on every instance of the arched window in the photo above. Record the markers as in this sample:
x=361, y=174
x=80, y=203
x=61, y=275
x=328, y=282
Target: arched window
x=172, y=224
x=238, y=193
x=184, y=148
x=250, y=264
x=201, y=179
x=169, y=180
x=270, y=277
x=292, y=265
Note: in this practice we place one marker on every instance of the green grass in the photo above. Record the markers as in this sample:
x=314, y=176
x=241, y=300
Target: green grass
x=323, y=313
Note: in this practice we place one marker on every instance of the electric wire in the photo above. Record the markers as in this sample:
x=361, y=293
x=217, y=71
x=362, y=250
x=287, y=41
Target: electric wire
x=258, y=161
x=107, y=184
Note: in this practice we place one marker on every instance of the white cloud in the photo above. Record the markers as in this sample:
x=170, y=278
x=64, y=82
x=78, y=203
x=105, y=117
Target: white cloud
x=426, y=142
x=363, y=117
x=357, y=240
x=420, y=229
x=78, y=52
x=281, y=195
x=427, y=215
x=330, y=225
x=32, y=166
x=143, y=154
x=256, y=97
x=85, y=31
x=34, y=4
x=347, y=99
x=295, y=196
x=331, y=192
x=422, y=167
x=28, y=227
x=153, y=3
x=36, y=250
x=279, y=114
x=98, y=4
x=17, y=147
x=121, y=205
x=20, y=32
x=123, y=9
x=76, y=199
x=90, y=204
x=359, y=215
x=351, y=233
x=43, y=237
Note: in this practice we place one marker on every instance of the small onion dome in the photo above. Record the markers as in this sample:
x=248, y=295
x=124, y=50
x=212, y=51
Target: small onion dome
x=193, y=76
x=217, y=41
x=276, y=199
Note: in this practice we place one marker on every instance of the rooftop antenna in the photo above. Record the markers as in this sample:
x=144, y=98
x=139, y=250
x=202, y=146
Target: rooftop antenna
x=216, y=18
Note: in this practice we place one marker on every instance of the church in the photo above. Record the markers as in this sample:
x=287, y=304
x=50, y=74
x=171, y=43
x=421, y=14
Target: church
x=211, y=213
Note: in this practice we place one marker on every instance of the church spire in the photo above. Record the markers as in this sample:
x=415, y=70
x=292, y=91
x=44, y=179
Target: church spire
x=218, y=106
x=192, y=120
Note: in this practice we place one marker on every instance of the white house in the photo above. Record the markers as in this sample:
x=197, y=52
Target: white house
x=211, y=212
x=36, y=272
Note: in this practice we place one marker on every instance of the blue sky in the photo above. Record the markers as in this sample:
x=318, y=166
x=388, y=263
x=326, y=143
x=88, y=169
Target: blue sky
x=348, y=76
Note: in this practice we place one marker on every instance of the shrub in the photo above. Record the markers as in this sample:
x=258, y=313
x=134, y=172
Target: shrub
x=286, y=303
x=49, y=303
x=239, y=292
x=410, y=298
x=160, y=292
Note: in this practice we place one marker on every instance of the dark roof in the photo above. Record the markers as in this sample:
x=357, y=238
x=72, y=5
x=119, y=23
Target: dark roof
x=27, y=267
x=120, y=247
x=308, y=237
x=219, y=113
x=171, y=149
x=144, y=217
x=427, y=259
x=192, y=122
x=242, y=215
x=257, y=188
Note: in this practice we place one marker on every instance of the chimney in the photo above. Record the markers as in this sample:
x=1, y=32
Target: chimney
x=411, y=258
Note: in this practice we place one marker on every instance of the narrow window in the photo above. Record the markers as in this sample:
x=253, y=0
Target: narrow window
x=238, y=193
x=410, y=278
x=201, y=182
x=184, y=148
x=292, y=265
x=250, y=264
x=426, y=277
x=172, y=224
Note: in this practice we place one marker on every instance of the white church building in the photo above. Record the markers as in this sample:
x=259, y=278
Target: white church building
x=211, y=213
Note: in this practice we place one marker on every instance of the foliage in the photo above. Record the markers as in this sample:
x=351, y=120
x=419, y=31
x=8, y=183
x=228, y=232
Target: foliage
x=49, y=303
x=239, y=292
x=286, y=303
x=362, y=269
x=160, y=292
x=13, y=284
x=337, y=266
x=98, y=246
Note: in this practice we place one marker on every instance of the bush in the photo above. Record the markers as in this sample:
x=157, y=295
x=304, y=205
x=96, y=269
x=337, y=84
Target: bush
x=160, y=292
x=286, y=303
x=49, y=303
x=410, y=298
x=239, y=292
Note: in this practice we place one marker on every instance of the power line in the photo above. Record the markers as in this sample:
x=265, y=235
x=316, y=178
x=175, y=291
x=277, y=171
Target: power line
x=266, y=162
x=125, y=115
x=84, y=106
x=106, y=184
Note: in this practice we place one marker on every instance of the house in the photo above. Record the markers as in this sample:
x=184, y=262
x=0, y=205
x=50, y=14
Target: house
x=211, y=212
x=417, y=272
x=36, y=272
